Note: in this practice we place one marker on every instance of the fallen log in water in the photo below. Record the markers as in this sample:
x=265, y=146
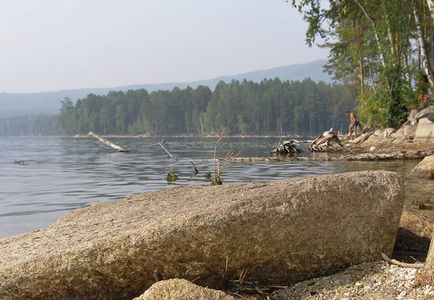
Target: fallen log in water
x=107, y=142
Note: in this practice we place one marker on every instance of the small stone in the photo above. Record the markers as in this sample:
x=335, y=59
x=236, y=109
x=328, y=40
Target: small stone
x=181, y=289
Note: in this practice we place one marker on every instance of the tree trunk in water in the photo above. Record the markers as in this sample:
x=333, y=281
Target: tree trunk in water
x=107, y=142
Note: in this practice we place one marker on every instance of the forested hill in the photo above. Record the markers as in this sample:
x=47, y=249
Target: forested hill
x=49, y=102
x=244, y=108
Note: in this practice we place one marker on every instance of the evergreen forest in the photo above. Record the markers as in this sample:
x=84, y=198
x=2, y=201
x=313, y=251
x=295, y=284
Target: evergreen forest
x=271, y=107
x=30, y=125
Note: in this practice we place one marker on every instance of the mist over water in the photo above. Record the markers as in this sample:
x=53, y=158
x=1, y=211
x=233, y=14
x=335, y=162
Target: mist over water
x=62, y=174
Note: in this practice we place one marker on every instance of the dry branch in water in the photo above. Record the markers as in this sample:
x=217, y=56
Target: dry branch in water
x=218, y=163
x=107, y=142
x=216, y=179
x=163, y=145
x=195, y=170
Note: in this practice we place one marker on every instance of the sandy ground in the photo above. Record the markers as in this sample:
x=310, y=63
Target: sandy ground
x=367, y=281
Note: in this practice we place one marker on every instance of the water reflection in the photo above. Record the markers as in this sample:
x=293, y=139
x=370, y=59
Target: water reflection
x=78, y=172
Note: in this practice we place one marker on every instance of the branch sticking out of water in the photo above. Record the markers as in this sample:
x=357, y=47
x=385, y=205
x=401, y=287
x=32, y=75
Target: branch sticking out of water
x=218, y=163
x=195, y=170
x=163, y=145
x=107, y=142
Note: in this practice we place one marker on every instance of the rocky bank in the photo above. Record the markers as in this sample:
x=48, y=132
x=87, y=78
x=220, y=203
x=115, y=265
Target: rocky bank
x=413, y=140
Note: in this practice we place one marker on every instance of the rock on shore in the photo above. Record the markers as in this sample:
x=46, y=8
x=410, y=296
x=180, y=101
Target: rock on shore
x=181, y=289
x=425, y=126
x=426, y=275
x=424, y=169
x=273, y=232
x=414, y=233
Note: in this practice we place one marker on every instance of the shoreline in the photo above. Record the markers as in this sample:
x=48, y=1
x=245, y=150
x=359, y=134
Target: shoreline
x=380, y=151
x=342, y=156
x=384, y=151
x=160, y=136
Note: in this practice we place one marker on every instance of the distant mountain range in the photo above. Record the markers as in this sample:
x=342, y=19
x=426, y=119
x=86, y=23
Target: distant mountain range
x=14, y=104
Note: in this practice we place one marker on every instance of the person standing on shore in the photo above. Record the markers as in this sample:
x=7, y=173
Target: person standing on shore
x=354, y=123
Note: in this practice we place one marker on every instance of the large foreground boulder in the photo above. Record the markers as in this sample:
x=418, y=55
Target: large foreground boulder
x=424, y=169
x=426, y=275
x=268, y=232
x=414, y=234
x=181, y=289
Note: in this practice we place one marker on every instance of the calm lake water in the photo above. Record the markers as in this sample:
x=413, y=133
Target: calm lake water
x=61, y=174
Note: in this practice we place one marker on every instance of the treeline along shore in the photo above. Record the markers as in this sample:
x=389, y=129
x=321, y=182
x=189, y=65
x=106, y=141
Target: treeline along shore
x=245, y=108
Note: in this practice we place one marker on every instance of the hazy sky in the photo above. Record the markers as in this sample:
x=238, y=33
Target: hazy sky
x=63, y=44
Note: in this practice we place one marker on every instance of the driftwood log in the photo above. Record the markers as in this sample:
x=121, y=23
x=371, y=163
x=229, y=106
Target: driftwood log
x=164, y=146
x=286, y=147
x=107, y=142
x=327, y=141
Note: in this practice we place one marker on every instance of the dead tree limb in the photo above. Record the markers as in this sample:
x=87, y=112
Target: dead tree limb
x=162, y=144
x=327, y=141
x=216, y=162
x=401, y=264
x=286, y=147
x=195, y=170
x=108, y=143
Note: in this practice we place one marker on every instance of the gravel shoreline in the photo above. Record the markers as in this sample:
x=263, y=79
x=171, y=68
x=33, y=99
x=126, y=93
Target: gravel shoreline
x=378, y=280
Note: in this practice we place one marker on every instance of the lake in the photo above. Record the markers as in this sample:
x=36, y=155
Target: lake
x=61, y=174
